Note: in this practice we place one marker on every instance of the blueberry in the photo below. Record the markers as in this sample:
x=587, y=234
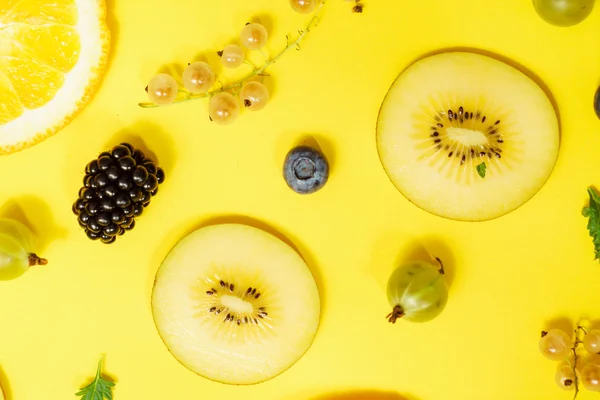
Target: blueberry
x=305, y=170
x=597, y=102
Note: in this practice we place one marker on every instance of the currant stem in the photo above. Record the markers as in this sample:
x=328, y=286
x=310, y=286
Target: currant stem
x=256, y=71
x=576, y=357
x=442, y=271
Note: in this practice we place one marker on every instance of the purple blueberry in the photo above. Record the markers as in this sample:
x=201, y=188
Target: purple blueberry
x=305, y=170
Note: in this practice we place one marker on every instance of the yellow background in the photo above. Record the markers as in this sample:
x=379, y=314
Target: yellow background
x=509, y=277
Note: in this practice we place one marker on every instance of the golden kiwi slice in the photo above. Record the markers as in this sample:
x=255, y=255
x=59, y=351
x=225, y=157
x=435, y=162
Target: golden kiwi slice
x=235, y=304
x=467, y=137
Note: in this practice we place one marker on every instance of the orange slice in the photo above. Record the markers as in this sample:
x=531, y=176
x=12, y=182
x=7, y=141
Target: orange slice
x=52, y=56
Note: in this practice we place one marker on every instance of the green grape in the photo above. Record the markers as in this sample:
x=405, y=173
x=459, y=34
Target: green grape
x=417, y=292
x=16, y=256
x=563, y=12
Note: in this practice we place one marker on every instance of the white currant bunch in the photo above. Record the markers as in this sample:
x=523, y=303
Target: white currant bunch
x=226, y=102
x=556, y=345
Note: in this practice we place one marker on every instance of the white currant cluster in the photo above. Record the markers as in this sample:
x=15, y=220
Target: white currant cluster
x=225, y=103
x=557, y=345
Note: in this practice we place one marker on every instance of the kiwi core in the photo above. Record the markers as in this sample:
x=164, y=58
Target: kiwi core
x=236, y=304
x=467, y=137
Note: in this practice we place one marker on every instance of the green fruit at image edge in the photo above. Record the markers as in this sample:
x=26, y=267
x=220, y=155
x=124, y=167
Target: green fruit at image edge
x=417, y=291
x=16, y=255
x=563, y=13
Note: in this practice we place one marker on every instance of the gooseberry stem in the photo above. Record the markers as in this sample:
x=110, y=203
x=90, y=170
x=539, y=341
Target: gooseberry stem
x=35, y=260
x=396, y=314
x=256, y=71
x=442, y=271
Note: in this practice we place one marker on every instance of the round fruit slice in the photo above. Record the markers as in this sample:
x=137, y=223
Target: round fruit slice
x=467, y=137
x=52, y=56
x=235, y=304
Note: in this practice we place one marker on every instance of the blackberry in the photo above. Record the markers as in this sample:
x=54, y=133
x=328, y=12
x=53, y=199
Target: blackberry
x=117, y=188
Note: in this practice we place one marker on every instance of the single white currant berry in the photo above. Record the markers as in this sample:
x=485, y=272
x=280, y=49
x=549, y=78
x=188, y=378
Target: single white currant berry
x=254, y=95
x=254, y=36
x=303, y=6
x=590, y=377
x=555, y=345
x=162, y=89
x=198, y=77
x=564, y=377
x=232, y=56
x=223, y=108
x=591, y=341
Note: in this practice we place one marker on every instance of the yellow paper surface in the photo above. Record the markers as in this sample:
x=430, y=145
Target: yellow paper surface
x=509, y=277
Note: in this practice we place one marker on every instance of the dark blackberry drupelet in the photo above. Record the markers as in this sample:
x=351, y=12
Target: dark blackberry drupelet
x=117, y=188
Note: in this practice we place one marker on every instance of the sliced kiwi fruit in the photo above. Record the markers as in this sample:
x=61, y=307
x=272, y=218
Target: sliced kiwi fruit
x=235, y=304
x=467, y=137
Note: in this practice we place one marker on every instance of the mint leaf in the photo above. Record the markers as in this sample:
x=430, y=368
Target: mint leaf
x=481, y=169
x=98, y=389
x=592, y=212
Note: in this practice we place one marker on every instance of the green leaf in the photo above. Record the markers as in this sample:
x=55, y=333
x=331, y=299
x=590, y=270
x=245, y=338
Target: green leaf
x=592, y=213
x=98, y=389
x=481, y=169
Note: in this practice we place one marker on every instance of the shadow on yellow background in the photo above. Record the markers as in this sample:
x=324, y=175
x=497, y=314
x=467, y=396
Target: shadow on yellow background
x=363, y=395
x=35, y=214
x=5, y=385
